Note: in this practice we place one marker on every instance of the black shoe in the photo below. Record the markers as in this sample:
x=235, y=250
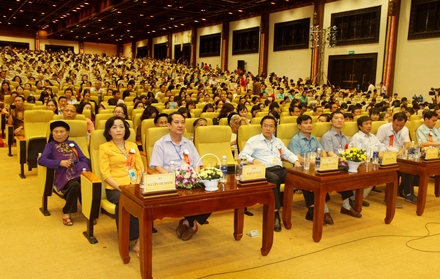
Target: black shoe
x=248, y=213
x=309, y=214
x=277, y=225
x=154, y=230
x=206, y=222
x=401, y=192
x=376, y=190
x=364, y=204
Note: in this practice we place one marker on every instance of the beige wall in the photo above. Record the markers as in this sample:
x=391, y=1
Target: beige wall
x=215, y=60
x=74, y=44
x=291, y=63
x=96, y=48
x=251, y=60
x=347, y=5
x=417, y=61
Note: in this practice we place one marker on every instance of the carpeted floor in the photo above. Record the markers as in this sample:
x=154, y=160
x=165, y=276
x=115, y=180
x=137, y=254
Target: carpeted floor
x=34, y=246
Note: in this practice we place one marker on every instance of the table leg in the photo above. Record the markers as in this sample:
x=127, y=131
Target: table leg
x=146, y=245
x=123, y=231
x=423, y=186
x=437, y=186
x=287, y=204
x=390, y=198
x=358, y=199
x=318, y=215
x=238, y=223
x=268, y=221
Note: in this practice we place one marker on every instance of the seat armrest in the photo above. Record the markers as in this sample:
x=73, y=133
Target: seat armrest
x=91, y=195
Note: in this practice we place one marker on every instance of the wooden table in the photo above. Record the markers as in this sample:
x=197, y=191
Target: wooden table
x=423, y=169
x=341, y=181
x=191, y=202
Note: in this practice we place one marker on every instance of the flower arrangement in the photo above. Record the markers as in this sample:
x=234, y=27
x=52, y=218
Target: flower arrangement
x=186, y=177
x=353, y=154
x=210, y=173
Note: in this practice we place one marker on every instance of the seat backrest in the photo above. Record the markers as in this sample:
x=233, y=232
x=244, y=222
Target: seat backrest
x=415, y=117
x=145, y=125
x=375, y=126
x=99, y=117
x=215, y=140
x=153, y=134
x=288, y=119
x=245, y=132
x=414, y=126
x=77, y=117
x=35, y=123
x=320, y=128
x=285, y=132
x=134, y=112
x=256, y=120
x=349, y=129
x=209, y=115
x=223, y=121
x=196, y=112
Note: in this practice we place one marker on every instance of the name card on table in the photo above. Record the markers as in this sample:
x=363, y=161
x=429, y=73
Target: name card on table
x=389, y=158
x=431, y=153
x=329, y=163
x=253, y=172
x=159, y=183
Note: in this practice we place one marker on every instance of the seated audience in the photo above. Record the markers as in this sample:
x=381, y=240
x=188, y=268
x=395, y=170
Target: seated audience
x=68, y=161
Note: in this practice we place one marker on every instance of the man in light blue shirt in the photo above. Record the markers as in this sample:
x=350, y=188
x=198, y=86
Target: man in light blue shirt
x=334, y=142
x=266, y=149
x=302, y=143
x=171, y=148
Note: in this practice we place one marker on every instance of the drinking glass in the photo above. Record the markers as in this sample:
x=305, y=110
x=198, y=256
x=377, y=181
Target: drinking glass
x=307, y=158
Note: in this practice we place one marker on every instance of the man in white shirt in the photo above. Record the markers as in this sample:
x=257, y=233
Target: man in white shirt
x=267, y=149
x=383, y=89
x=370, y=87
x=69, y=96
x=366, y=140
x=395, y=137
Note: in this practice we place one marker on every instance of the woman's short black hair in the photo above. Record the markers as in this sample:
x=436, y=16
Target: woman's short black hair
x=109, y=124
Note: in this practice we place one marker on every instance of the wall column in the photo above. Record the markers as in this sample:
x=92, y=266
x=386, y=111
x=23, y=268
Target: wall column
x=133, y=48
x=264, y=44
x=193, y=42
x=37, y=41
x=318, y=20
x=390, y=45
x=150, y=47
x=170, y=45
x=225, y=46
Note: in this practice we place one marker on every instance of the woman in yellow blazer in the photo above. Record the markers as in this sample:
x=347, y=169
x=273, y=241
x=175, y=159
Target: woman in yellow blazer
x=120, y=164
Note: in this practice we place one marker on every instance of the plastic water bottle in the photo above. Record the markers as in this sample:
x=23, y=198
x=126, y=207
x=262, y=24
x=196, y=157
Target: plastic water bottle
x=172, y=167
x=412, y=151
x=224, y=169
x=318, y=159
x=375, y=155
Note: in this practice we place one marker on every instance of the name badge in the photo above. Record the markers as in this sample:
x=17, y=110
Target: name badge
x=389, y=158
x=253, y=172
x=431, y=153
x=329, y=163
x=159, y=182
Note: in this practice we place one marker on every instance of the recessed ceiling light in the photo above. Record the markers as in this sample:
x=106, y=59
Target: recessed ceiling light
x=151, y=15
